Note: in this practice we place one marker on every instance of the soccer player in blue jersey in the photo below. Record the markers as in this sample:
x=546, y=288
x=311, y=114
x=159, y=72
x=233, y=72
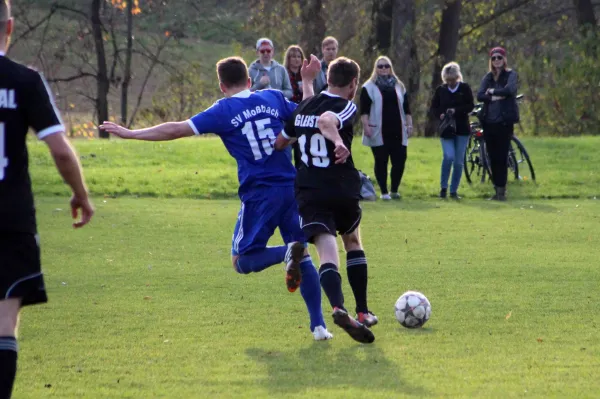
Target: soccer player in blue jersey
x=248, y=124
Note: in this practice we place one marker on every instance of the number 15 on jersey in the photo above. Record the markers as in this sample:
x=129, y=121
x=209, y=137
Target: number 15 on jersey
x=265, y=135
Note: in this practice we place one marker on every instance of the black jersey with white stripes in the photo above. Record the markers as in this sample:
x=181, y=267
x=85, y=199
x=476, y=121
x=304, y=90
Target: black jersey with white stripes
x=317, y=168
x=25, y=102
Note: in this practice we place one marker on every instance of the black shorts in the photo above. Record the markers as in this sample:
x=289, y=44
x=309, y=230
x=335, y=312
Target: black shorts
x=20, y=269
x=327, y=215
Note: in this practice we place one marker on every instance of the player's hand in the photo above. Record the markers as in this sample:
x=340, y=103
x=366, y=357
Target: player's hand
x=368, y=131
x=341, y=153
x=489, y=92
x=265, y=80
x=409, y=131
x=86, y=207
x=117, y=130
x=310, y=70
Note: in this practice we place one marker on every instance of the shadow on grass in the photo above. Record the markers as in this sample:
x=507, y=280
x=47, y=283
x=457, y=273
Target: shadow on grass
x=357, y=369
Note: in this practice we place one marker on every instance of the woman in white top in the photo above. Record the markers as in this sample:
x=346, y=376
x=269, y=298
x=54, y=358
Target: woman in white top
x=387, y=124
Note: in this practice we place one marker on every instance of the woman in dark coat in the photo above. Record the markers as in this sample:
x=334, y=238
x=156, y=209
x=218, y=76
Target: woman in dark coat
x=498, y=92
x=453, y=98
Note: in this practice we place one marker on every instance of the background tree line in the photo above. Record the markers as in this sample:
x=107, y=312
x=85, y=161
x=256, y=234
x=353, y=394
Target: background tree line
x=146, y=61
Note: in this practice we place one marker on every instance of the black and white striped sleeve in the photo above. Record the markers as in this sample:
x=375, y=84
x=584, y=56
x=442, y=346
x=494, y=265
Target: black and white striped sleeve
x=346, y=115
x=42, y=114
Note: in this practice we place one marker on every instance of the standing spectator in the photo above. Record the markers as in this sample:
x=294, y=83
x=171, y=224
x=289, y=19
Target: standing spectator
x=266, y=73
x=292, y=62
x=329, y=48
x=387, y=123
x=453, y=98
x=498, y=92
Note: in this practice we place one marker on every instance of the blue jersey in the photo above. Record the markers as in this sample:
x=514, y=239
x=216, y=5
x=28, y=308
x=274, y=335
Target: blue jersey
x=248, y=123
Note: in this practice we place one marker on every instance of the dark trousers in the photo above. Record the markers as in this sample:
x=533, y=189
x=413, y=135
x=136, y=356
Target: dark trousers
x=497, y=140
x=394, y=150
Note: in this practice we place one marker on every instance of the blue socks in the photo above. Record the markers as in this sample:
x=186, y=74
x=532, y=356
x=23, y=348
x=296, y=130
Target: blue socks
x=257, y=261
x=310, y=288
x=311, y=292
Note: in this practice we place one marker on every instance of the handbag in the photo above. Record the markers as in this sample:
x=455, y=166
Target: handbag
x=367, y=190
x=447, y=127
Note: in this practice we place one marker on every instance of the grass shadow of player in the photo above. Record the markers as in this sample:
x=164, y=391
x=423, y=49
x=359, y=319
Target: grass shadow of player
x=362, y=369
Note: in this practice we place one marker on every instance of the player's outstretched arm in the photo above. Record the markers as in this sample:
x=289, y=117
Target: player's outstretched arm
x=309, y=72
x=164, y=132
x=69, y=168
x=328, y=125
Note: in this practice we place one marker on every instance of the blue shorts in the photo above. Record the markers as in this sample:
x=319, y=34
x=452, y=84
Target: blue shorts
x=261, y=213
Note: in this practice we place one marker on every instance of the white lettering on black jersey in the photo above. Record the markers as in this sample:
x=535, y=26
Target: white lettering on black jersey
x=316, y=164
x=25, y=101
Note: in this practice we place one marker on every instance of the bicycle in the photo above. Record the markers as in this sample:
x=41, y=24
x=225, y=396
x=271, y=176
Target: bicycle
x=477, y=160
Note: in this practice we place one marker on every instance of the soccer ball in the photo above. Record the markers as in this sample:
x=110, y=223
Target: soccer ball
x=412, y=309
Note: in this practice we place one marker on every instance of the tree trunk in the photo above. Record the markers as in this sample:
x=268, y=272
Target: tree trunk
x=586, y=19
x=404, y=48
x=381, y=34
x=102, y=82
x=585, y=13
x=447, y=44
x=313, y=27
x=127, y=68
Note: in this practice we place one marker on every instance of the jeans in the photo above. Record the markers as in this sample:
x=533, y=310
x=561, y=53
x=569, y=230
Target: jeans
x=454, y=158
x=497, y=138
x=395, y=151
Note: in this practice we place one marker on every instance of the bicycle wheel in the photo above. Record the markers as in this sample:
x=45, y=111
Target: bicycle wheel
x=472, y=158
x=513, y=165
x=485, y=162
x=522, y=157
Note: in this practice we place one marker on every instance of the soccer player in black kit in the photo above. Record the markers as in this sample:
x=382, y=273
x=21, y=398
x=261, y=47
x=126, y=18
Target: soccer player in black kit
x=328, y=188
x=25, y=102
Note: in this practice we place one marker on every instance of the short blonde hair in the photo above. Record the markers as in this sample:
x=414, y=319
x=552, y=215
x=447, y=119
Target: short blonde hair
x=451, y=69
x=329, y=40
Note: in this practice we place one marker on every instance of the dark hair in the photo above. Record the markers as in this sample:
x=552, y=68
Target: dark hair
x=232, y=71
x=288, y=53
x=342, y=71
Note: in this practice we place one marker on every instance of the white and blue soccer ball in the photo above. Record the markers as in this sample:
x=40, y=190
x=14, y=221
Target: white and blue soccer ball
x=412, y=309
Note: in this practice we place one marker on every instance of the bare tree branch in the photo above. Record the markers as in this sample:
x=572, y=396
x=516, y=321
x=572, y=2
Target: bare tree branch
x=155, y=61
x=493, y=17
x=73, y=10
x=33, y=27
x=72, y=78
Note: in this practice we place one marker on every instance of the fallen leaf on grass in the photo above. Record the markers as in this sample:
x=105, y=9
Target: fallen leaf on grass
x=508, y=315
x=146, y=298
x=540, y=340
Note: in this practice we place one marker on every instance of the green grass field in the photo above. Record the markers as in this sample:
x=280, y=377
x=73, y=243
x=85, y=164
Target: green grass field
x=144, y=302
x=202, y=168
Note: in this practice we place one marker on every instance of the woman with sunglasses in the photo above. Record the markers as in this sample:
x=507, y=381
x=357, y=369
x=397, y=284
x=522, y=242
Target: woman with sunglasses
x=293, y=62
x=453, y=98
x=387, y=124
x=498, y=92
